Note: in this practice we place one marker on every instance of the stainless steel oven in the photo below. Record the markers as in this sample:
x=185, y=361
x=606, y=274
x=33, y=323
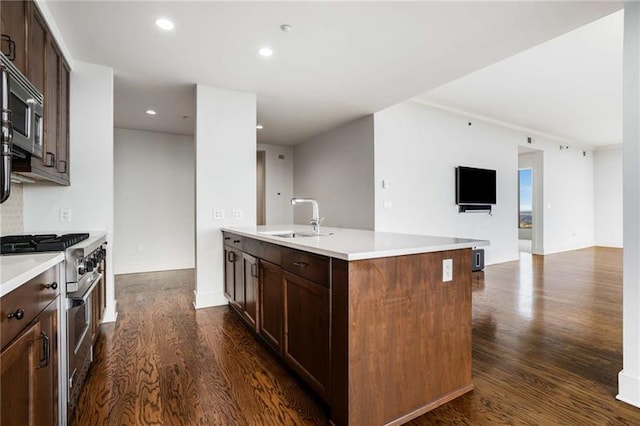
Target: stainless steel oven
x=79, y=331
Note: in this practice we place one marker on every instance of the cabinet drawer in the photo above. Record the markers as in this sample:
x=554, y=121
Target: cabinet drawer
x=232, y=240
x=31, y=297
x=306, y=265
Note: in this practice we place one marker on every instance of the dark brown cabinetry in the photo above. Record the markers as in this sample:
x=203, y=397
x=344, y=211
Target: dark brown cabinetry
x=290, y=302
x=13, y=16
x=306, y=330
x=382, y=329
x=29, y=356
x=250, y=277
x=271, y=305
x=45, y=67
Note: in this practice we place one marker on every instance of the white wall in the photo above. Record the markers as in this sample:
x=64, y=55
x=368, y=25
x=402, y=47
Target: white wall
x=225, y=141
x=90, y=196
x=336, y=169
x=568, y=197
x=154, y=201
x=417, y=150
x=279, y=183
x=608, y=197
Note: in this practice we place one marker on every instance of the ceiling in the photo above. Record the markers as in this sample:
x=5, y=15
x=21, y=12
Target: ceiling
x=569, y=88
x=342, y=60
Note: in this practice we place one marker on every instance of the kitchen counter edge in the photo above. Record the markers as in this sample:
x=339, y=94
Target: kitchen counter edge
x=314, y=244
x=20, y=268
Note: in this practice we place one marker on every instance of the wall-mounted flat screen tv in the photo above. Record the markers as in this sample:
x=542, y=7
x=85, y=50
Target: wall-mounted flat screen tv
x=475, y=186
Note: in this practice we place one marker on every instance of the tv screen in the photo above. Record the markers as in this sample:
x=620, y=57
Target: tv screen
x=475, y=186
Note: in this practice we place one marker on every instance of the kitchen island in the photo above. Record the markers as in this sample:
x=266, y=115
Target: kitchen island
x=371, y=321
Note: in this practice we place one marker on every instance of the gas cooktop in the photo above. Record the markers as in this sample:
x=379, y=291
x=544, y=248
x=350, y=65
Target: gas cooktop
x=13, y=244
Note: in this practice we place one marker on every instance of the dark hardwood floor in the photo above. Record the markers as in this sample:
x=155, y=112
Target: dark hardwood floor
x=547, y=348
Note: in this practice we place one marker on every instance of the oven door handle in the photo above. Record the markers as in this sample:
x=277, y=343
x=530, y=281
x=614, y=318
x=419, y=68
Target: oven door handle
x=79, y=301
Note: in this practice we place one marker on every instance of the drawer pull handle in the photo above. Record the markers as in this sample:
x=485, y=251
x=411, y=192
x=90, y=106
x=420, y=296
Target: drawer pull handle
x=19, y=314
x=46, y=350
x=231, y=257
x=227, y=238
x=236, y=241
x=254, y=270
x=53, y=286
x=300, y=264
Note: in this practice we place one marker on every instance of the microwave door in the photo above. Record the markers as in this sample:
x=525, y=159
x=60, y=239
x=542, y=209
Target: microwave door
x=6, y=136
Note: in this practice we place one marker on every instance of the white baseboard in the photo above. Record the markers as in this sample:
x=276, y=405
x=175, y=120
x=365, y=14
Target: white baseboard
x=501, y=258
x=207, y=300
x=561, y=249
x=628, y=389
x=110, y=313
x=139, y=267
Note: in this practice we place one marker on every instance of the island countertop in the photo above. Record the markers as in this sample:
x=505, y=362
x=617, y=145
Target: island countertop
x=17, y=269
x=354, y=244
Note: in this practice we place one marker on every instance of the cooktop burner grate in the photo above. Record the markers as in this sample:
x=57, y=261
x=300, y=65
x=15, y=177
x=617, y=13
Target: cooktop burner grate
x=12, y=244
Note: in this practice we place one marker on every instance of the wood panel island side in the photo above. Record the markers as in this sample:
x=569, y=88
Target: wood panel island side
x=363, y=317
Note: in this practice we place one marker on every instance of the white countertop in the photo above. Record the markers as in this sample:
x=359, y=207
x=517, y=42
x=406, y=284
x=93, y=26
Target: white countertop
x=17, y=269
x=355, y=244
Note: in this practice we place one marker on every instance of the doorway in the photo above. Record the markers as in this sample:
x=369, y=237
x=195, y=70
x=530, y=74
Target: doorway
x=530, y=200
x=525, y=209
x=261, y=188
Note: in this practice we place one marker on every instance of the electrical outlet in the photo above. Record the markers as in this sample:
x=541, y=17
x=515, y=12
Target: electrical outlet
x=237, y=213
x=65, y=215
x=447, y=270
x=218, y=214
x=385, y=184
x=140, y=248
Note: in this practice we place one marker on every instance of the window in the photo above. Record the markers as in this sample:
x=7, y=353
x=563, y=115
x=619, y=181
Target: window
x=525, y=199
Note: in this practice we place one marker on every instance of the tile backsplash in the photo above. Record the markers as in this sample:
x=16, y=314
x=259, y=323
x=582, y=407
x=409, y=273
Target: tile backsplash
x=11, y=217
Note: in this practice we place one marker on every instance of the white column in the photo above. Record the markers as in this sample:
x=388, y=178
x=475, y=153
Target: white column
x=629, y=377
x=225, y=151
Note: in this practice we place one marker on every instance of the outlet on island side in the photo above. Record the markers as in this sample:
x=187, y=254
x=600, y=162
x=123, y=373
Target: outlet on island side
x=447, y=270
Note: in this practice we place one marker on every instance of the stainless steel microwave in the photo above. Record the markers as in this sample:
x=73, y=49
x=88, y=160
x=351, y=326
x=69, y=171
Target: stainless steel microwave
x=26, y=111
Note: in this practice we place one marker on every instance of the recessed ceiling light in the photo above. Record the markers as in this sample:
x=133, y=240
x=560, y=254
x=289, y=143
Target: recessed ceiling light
x=259, y=127
x=265, y=51
x=164, y=23
x=285, y=28
x=150, y=112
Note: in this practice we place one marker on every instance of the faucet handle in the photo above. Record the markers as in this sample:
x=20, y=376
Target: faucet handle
x=316, y=222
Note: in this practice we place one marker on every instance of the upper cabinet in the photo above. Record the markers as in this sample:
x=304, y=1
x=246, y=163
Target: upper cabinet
x=13, y=16
x=26, y=38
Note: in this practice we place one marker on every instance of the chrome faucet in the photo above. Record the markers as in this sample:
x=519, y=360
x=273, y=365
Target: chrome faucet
x=315, y=219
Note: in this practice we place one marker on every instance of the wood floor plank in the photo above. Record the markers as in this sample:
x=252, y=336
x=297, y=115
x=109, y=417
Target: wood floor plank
x=547, y=348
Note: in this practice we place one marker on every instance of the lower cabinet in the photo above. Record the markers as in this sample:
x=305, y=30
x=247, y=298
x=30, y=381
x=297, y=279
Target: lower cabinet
x=306, y=331
x=271, y=305
x=287, y=304
x=29, y=373
x=250, y=282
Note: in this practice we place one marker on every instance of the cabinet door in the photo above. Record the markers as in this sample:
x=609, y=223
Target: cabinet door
x=306, y=331
x=250, y=266
x=29, y=374
x=271, y=305
x=18, y=378
x=46, y=401
x=233, y=285
x=51, y=102
x=63, y=119
x=37, y=42
x=13, y=23
x=229, y=273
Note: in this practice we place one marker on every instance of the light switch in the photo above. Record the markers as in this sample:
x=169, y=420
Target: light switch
x=385, y=184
